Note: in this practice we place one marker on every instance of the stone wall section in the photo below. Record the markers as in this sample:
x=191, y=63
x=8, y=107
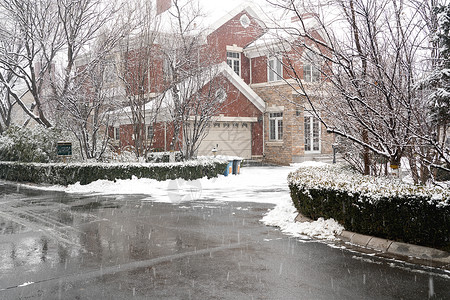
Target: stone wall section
x=279, y=97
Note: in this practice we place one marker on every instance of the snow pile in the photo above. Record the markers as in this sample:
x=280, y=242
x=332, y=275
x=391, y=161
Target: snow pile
x=254, y=184
x=283, y=216
x=343, y=179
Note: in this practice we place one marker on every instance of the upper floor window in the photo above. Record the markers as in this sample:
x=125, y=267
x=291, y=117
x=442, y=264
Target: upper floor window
x=311, y=66
x=234, y=61
x=150, y=132
x=274, y=69
x=109, y=73
x=276, y=126
x=116, y=133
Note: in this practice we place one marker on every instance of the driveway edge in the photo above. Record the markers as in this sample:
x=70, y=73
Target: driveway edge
x=390, y=247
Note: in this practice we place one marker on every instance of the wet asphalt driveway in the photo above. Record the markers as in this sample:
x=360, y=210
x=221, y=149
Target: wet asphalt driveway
x=59, y=246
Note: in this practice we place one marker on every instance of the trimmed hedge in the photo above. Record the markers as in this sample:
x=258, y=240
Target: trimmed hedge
x=421, y=217
x=64, y=174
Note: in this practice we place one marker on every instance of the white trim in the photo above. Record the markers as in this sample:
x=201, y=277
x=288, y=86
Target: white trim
x=234, y=48
x=275, y=109
x=251, y=9
x=222, y=118
x=242, y=86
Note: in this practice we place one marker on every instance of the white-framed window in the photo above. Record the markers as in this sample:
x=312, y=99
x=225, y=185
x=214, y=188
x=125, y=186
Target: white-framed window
x=274, y=69
x=312, y=133
x=150, y=132
x=234, y=61
x=220, y=95
x=276, y=126
x=311, y=66
x=117, y=133
x=109, y=73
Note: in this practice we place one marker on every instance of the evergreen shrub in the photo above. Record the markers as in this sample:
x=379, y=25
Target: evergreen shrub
x=64, y=174
x=380, y=207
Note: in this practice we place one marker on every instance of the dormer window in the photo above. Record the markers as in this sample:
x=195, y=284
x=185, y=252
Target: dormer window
x=234, y=61
x=311, y=66
x=274, y=69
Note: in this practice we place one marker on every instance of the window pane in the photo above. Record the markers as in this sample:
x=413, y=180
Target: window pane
x=272, y=129
x=307, y=133
x=307, y=73
x=271, y=75
x=149, y=132
x=315, y=75
x=280, y=129
x=279, y=70
x=316, y=134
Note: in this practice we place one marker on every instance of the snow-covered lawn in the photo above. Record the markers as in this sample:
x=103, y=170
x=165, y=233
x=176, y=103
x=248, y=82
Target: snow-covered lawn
x=254, y=184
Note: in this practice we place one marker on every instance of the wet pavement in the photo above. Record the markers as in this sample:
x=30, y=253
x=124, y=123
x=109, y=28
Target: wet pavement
x=62, y=246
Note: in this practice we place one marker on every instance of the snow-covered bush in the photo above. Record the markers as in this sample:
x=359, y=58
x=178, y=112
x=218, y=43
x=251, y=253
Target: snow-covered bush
x=28, y=145
x=58, y=173
x=387, y=208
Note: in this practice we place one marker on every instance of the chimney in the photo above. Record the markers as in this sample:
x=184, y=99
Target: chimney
x=162, y=6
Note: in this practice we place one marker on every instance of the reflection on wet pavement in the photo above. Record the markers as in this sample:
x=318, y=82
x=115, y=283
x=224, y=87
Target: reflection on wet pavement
x=59, y=246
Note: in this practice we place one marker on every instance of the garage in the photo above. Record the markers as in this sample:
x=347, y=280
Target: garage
x=230, y=138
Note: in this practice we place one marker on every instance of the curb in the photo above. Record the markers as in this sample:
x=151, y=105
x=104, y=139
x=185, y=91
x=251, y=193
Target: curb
x=390, y=247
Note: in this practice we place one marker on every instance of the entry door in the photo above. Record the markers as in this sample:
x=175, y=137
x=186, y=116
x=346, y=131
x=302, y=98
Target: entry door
x=312, y=134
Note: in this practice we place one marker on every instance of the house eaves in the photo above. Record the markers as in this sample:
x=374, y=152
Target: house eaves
x=253, y=10
x=244, y=88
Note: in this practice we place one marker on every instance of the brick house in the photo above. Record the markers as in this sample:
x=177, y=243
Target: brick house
x=263, y=117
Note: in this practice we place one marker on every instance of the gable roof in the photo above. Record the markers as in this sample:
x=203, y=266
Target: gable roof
x=253, y=10
x=240, y=84
x=223, y=69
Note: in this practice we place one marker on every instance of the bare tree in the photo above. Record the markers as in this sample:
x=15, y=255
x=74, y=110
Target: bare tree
x=35, y=24
x=369, y=64
x=138, y=71
x=82, y=99
x=196, y=85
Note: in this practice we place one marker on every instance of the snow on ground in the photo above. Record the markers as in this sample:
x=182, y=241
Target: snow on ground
x=283, y=216
x=254, y=184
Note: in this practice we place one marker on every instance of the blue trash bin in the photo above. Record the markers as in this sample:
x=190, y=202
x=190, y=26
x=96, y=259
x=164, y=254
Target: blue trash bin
x=236, y=166
x=229, y=169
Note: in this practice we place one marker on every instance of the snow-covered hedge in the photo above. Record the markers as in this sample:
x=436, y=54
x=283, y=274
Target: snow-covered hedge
x=382, y=207
x=64, y=174
x=28, y=145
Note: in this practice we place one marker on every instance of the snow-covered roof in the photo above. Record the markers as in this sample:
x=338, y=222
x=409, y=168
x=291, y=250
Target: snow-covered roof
x=214, y=14
x=188, y=87
x=280, y=36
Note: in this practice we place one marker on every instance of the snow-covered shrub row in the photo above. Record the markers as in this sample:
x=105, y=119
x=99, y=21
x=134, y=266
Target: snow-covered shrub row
x=64, y=174
x=158, y=157
x=381, y=207
x=28, y=145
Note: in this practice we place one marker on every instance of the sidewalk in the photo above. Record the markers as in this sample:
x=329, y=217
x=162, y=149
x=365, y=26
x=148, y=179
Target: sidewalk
x=391, y=249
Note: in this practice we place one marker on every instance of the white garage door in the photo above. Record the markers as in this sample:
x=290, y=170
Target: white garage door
x=230, y=138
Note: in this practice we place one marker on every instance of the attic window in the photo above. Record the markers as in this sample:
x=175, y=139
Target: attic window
x=245, y=21
x=220, y=95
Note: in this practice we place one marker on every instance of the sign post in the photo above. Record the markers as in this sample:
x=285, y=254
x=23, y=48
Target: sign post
x=64, y=149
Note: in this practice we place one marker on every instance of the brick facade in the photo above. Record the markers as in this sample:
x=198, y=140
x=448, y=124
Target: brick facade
x=276, y=97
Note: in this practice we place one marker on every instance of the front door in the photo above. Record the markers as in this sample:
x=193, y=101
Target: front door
x=312, y=134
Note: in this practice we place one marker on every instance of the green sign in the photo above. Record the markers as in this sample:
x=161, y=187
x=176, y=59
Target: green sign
x=64, y=148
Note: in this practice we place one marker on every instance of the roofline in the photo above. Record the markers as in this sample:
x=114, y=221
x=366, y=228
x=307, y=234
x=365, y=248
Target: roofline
x=242, y=86
x=250, y=8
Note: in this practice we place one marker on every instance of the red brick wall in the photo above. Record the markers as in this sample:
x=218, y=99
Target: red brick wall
x=233, y=33
x=257, y=138
x=237, y=105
